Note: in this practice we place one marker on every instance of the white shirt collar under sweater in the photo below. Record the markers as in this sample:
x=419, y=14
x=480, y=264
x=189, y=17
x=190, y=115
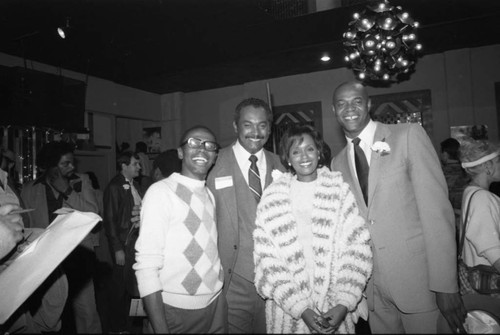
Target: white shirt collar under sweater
x=366, y=136
x=242, y=157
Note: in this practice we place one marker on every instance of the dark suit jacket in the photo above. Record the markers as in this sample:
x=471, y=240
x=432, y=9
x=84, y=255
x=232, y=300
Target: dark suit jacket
x=227, y=201
x=409, y=216
x=118, y=204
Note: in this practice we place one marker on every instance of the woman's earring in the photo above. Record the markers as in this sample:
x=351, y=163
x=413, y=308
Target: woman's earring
x=289, y=164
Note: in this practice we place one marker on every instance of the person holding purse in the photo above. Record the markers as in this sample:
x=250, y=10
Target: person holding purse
x=479, y=238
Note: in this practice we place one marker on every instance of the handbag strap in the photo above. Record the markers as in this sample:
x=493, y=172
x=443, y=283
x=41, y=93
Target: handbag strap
x=462, y=237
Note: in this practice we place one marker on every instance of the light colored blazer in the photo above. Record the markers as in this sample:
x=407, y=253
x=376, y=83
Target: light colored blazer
x=409, y=216
x=227, y=200
x=82, y=198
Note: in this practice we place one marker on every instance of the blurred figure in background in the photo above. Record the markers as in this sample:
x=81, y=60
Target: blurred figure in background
x=8, y=164
x=141, y=149
x=122, y=204
x=57, y=187
x=456, y=177
x=482, y=236
x=165, y=164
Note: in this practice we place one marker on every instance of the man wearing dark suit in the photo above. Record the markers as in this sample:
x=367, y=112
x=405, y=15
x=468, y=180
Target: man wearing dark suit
x=122, y=200
x=236, y=210
x=409, y=217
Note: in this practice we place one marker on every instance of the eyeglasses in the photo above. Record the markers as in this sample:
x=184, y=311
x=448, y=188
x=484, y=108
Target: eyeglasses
x=196, y=143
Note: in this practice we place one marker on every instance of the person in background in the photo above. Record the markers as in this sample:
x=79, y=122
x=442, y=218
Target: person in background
x=42, y=311
x=395, y=175
x=237, y=184
x=165, y=164
x=481, y=161
x=178, y=228
x=57, y=187
x=104, y=262
x=311, y=246
x=456, y=177
x=11, y=229
x=141, y=150
x=122, y=203
x=8, y=164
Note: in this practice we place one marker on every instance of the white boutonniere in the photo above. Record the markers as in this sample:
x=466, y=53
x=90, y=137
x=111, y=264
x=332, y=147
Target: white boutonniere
x=381, y=147
x=126, y=186
x=275, y=174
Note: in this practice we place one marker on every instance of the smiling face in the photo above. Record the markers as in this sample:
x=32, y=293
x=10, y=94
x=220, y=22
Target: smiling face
x=197, y=161
x=253, y=128
x=351, y=106
x=304, y=157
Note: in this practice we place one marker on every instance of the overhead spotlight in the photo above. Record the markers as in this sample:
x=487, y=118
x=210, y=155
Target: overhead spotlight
x=325, y=58
x=63, y=31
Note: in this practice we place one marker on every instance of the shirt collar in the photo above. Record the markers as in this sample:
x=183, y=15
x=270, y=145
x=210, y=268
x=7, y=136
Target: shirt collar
x=242, y=154
x=367, y=134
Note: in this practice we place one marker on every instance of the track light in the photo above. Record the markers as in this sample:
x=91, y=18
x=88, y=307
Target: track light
x=63, y=31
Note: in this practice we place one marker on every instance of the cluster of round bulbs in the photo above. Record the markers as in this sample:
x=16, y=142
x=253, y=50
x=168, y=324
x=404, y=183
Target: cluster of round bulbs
x=381, y=43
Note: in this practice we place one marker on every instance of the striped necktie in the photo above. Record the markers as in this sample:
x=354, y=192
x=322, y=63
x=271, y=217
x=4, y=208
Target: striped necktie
x=362, y=168
x=254, y=178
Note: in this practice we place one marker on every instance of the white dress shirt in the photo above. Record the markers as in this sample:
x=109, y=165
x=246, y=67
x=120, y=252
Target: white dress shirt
x=242, y=157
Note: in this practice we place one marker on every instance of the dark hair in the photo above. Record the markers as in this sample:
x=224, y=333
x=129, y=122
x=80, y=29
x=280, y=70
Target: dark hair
x=184, y=136
x=50, y=154
x=451, y=146
x=141, y=147
x=168, y=162
x=295, y=134
x=125, y=158
x=256, y=103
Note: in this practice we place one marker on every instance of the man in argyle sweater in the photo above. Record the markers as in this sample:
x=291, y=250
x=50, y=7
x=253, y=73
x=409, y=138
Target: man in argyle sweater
x=178, y=268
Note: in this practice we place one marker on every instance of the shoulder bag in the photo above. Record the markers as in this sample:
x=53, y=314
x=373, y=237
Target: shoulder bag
x=482, y=279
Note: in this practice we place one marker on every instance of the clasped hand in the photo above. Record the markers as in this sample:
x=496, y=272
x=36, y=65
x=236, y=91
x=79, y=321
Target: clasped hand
x=333, y=318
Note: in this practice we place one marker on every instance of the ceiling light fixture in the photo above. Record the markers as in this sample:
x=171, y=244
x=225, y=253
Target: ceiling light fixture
x=381, y=43
x=63, y=31
x=325, y=58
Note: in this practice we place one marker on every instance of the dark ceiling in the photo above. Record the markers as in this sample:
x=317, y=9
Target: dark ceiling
x=165, y=46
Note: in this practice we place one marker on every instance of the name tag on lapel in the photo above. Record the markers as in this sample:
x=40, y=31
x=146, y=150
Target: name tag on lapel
x=223, y=182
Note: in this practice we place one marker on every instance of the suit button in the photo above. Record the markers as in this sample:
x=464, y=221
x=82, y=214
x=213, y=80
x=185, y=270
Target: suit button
x=235, y=247
x=229, y=271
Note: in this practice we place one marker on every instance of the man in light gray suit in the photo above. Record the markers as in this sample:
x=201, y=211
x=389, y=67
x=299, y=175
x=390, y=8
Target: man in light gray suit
x=405, y=202
x=231, y=181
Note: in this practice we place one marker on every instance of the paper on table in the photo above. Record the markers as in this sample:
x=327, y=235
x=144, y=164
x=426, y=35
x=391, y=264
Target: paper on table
x=28, y=271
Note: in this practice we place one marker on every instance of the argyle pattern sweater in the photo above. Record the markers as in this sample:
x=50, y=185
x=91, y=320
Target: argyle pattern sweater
x=176, y=252
x=342, y=254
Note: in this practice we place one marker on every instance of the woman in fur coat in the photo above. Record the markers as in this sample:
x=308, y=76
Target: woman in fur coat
x=312, y=253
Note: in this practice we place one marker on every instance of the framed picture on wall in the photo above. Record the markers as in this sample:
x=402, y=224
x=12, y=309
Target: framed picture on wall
x=286, y=115
x=404, y=107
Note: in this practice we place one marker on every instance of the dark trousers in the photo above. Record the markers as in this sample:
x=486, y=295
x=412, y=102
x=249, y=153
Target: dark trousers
x=209, y=320
x=246, y=309
x=119, y=300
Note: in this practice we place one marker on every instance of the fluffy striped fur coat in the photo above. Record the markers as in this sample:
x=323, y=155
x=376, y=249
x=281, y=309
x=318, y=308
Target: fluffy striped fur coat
x=343, y=257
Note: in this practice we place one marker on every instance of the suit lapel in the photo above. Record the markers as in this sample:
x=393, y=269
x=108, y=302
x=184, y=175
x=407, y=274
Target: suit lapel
x=231, y=168
x=349, y=176
x=377, y=160
x=269, y=168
